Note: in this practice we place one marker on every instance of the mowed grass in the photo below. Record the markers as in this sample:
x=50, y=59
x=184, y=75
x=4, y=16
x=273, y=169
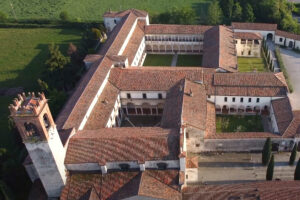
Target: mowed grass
x=158, y=60
x=22, y=56
x=189, y=60
x=93, y=9
x=251, y=64
x=239, y=123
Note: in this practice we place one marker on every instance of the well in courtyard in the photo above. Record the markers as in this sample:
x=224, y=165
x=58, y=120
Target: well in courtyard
x=158, y=60
x=239, y=123
x=246, y=64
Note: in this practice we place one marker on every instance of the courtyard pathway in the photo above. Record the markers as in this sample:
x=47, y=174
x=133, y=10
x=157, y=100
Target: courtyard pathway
x=174, y=60
x=291, y=61
x=271, y=47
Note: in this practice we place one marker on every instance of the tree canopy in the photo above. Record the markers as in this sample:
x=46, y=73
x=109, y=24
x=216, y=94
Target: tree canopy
x=215, y=14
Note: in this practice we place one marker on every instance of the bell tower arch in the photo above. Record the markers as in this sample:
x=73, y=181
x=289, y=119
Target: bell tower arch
x=36, y=126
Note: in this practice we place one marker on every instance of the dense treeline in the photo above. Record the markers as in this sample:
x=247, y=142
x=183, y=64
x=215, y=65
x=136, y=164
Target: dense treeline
x=268, y=11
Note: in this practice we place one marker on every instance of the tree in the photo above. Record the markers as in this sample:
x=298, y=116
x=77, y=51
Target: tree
x=293, y=155
x=270, y=169
x=215, y=14
x=237, y=12
x=3, y=17
x=248, y=13
x=297, y=171
x=267, y=150
x=227, y=7
x=56, y=59
x=64, y=16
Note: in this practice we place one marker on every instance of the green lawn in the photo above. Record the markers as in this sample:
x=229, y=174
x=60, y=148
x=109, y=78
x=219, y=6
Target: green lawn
x=251, y=64
x=189, y=60
x=236, y=123
x=158, y=60
x=93, y=9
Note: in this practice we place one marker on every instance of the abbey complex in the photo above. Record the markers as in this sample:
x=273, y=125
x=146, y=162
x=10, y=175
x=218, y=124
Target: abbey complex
x=94, y=151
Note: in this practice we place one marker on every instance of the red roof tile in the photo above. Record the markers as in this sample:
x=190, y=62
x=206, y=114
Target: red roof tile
x=254, y=26
x=138, y=13
x=176, y=29
x=287, y=35
x=248, y=36
x=123, y=144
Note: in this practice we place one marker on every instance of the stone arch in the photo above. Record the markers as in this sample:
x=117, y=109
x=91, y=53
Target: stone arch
x=131, y=108
x=291, y=44
x=233, y=109
x=225, y=109
x=31, y=129
x=218, y=108
x=146, y=107
x=249, y=109
x=241, y=109
x=269, y=36
x=160, y=108
x=256, y=109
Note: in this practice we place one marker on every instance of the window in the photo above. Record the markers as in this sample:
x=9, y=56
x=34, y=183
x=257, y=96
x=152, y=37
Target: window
x=242, y=52
x=243, y=41
x=46, y=121
x=249, y=100
x=31, y=129
x=208, y=96
x=236, y=41
x=197, y=145
x=249, y=53
x=225, y=99
x=115, y=21
x=233, y=99
x=280, y=39
x=144, y=96
x=159, y=95
x=128, y=96
x=242, y=100
x=257, y=100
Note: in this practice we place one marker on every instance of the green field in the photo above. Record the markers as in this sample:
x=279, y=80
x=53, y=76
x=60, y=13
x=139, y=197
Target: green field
x=251, y=64
x=189, y=60
x=92, y=9
x=237, y=123
x=158, y=60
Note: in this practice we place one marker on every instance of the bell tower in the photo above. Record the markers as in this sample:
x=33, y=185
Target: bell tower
x=36, y=126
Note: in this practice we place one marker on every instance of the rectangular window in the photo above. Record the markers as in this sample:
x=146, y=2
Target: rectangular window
x=257, y=100
x=159, y=95
x=249, y=100
x=225, y=99
x=280, y=39
x=233, y=99
x=242, y=100
x=144, y=96
x=128, y=96
x=208, y=96
x=249, y=53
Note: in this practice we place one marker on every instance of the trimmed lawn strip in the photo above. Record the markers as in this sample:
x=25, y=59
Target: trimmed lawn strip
x=158, y=60
x=239, y=123
x=251, y=64
x=189, y=60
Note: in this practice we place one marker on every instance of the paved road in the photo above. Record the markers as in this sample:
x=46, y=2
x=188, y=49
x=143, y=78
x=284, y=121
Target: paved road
x=292, y=63
x=241, y=167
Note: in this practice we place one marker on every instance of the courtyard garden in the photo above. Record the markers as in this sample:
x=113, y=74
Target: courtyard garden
x=158, y=60
x=189, y=60
x=246, y=64
x=239, y=123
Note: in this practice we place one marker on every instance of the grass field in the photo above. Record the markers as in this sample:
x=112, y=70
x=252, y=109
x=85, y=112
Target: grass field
x=158, y=60
x=235, y=123
x=189, y=60
x=92, y=9
x=251, y=64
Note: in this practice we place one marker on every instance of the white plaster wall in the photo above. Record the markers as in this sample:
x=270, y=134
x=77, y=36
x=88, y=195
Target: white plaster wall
x=139, y=94
x=171, y=164
x=48, y=159
x=182, y=164
x=139, y=53
x=277, y=40
x=273, y=120
x=263, y=33
x=115, y=112
x=297, y=45
x=191, y=175
x=32, y=173
x=255, y=49
x=109, y=23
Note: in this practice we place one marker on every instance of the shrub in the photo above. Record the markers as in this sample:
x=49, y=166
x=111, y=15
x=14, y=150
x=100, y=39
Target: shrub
x=266, y=153
x=297, y=171
x=270, y=169
x=293, y=155
x=64, y=16
x=3, y=17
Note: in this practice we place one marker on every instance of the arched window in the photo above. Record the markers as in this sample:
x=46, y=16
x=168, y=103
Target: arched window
x=46, y=121
x=31, y=129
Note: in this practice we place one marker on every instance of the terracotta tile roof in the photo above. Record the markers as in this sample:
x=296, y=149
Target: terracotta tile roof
x=175, y=29
x=77, y=105
x=210, y=119
x=135, y=41
x=280, y=76
x=241, y=135
x=293, y=130
x=283, y=113
x=254, y=26
x=103, y=108
x=287, y=35
x=248, y=36
x=219, y=49
x=192, y=162
x=123, y=144
x=194, y=105
x=265, y=190
x=138, y=13
x=119, y=185
x=91, y=194
x=92, y=58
